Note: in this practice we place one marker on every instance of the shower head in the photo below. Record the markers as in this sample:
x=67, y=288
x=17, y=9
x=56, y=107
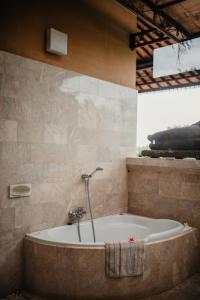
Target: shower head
x=97, y=169
x=86, y=176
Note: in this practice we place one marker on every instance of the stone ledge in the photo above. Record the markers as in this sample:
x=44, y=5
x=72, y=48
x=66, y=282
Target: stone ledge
x=131, y=162
x=179, y=154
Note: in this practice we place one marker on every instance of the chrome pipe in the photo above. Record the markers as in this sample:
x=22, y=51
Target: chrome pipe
x=86, y=179
x=79, y=232
x=90, y=209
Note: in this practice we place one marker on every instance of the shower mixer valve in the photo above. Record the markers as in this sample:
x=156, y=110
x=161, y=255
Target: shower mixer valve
x=77, y=213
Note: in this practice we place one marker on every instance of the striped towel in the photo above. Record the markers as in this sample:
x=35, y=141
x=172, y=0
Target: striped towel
x=124, y=259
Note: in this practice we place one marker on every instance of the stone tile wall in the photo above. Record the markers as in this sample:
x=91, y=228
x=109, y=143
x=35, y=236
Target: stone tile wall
x=55, y=125
x=164, y=188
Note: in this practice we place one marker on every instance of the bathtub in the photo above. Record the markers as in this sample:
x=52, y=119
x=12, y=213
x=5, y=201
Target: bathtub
x=111, y=228
x=58, y=266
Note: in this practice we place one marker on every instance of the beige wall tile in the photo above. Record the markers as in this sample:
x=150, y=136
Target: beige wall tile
x=30, y=132
x=49, y=153
x=170, y=184
x=165, y=189
x=127, y=138
x=143, y=186
x=7, y=220
x=86, y=153
x=191, y=190
x=55, y=134
x=15, y=109
x=16, y=153
x=86, y=111
x=54, y=126
x=9, y=85
x=19, y=109
x=8, y=130
x=4, y=106
x=107, y=153
x=108, y=138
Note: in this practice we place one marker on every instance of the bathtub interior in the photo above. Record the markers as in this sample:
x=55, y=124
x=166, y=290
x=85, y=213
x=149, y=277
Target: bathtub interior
x=116, y=228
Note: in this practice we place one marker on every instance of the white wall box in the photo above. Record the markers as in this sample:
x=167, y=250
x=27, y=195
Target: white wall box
x=56, y=42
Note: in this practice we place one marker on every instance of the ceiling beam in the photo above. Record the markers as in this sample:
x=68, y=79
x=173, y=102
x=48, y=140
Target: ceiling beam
x=141, y=65
x=151, y=42
x=168, y=18
x=168, y=4
x=149, y=36
x=168, y=87
x=173, y=31
x=187, y=78
x=134, y=43
x=189, y=36
x=148, y=20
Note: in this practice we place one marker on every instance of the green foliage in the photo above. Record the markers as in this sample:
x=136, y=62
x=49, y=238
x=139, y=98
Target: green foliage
x=140, y=149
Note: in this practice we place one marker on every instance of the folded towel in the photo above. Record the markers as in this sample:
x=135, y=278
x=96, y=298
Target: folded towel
x=124, y=259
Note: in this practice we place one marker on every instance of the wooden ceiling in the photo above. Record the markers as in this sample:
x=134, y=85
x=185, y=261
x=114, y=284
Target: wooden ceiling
x=161, y=23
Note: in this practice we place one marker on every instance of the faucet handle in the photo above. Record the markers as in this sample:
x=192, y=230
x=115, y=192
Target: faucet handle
x=81, y=210
x=77, y=213
x=85, y=176
x=72, y=214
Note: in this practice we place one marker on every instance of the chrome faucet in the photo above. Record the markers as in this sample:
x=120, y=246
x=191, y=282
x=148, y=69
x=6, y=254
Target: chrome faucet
x=77, y=213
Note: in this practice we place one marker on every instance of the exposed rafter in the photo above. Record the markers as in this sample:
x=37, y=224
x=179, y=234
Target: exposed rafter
x=135, y=40
x=169, y=20
x=178, y=86
x=157, y=28
x=186, y=78
x=168, y=4
x=149, y=20
x=145, y=64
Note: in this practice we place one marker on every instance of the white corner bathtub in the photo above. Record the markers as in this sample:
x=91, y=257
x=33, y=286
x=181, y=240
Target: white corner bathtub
x=115, y=228
x=58, y=266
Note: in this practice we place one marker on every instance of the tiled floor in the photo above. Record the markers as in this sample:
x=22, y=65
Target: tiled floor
x=188, y=290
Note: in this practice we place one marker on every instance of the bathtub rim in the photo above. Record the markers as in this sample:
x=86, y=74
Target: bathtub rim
x=102, y=245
